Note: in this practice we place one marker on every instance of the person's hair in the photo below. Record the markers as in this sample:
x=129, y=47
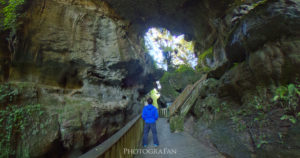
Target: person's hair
x=149, y=100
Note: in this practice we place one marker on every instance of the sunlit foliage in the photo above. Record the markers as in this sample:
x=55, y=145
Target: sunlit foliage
x=170, y=50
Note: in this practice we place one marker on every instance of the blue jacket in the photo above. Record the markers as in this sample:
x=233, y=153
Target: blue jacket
x=150, y=114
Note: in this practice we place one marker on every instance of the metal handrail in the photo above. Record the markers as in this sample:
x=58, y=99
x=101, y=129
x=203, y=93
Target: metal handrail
x=127, y=137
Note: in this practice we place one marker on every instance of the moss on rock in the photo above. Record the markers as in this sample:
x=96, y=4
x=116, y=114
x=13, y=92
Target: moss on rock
x=176, y=123
x=173, y=83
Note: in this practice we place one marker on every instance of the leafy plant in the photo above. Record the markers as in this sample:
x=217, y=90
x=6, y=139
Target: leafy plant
x=174, y=49
x=167, y=88
x=240, y=125
x=14, y=124
x=174, y=82
x=154, y=95
x=203, y=69
x=16, y=121
x=206, y=54
x=289, y=117
x=255, y=116
x=167, y=49
x=288, y=98
x=202, y=60
x=185, y=68
x=261, y=142
x=7, y=93
x=9, y=12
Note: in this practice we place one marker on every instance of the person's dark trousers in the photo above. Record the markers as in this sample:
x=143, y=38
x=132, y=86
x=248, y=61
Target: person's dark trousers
x=146, y=131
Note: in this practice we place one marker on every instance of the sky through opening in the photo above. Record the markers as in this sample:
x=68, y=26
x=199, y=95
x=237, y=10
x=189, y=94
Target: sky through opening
x=159, y=40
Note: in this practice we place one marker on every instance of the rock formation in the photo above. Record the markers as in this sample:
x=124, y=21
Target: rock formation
x=84, y=61
x=84, y=65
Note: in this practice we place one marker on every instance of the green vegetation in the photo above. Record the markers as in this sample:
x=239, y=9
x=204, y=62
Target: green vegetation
x=175, y=81
x=154, y=95
x=9, y=13
x=143, y=44
x=206, y=54
x=288, y=99
x=175, y=50
x=7, y=94
x=259, y=112
x=259, y=3
x=184, y=68
x=17, y=122
x=285, y=98
x=235, y=65
x=176, y=123
x=202, y=65
x=167, y=49
x=167, y=88
x=203, y=69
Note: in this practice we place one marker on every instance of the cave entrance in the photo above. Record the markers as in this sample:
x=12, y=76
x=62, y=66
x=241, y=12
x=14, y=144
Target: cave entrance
x=169, y=51
x=174, y=55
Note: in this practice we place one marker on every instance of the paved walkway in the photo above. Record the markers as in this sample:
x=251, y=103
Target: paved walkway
x=176, y=145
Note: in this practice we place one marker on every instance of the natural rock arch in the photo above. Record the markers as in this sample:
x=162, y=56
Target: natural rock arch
x=85, y=55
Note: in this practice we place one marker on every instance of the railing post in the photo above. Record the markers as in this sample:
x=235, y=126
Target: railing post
x=164, y=112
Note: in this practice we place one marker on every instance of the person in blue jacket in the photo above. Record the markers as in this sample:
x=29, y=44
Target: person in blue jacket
x=150, y=115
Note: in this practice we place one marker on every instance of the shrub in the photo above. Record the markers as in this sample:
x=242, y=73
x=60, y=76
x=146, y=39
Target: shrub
x=184, y=68
x=7, y=94
x=174, y=82
x=16, y=121
x=288, y=98
x=9, y=13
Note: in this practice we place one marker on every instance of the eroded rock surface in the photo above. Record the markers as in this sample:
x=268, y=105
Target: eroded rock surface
x=226, y=109
x=84, y=65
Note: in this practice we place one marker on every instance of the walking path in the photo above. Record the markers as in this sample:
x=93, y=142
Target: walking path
x=176, y=145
